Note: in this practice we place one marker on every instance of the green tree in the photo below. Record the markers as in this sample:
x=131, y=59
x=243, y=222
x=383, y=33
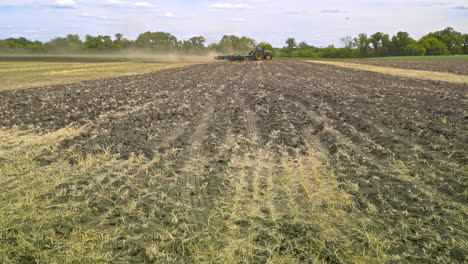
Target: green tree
x=465, y=43
x=452, y=39
x=362, y=44
x=198, y=42
x=399, y=42
x=303, y=45
x=434, y=46
x=57, y=44
x=73, y=39
x=228, y=43
x=70, y=43
x=380, y=44
x=291, y=43
x=120, y=42
x=232, y=43
x=74, y=42
x=305, y=50
x=194, y=44
x=290, y=46
x=100, y=42
x=21, y=44
x=307, y=53
x=156, y=40
x=119, y=37
x=185, y=45
x=330, y=52
x=414, y=49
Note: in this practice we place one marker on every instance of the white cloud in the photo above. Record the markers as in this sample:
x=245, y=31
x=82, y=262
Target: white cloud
x=7, y=26
x=330, y=11
x=30, y=31
x=168, y=14
x=65, y=3
x=89, y=15
x=143, y=4
x=115, y=2
x=239, y=19
x=229, y=6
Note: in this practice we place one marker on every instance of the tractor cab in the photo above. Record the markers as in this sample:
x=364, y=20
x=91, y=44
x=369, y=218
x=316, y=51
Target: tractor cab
x=259, y=53
x=257, y=49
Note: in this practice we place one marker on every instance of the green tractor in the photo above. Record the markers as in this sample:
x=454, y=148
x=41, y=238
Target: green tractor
x=259, y=53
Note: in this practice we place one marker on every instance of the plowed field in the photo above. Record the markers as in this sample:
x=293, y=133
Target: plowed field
x=258, y=162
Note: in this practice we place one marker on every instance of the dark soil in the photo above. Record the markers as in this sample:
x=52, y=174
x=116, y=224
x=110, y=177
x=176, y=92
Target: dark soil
x=367, y=123
x=456, y=67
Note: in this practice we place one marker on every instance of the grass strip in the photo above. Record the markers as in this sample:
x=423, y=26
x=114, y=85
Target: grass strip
x=417, y=74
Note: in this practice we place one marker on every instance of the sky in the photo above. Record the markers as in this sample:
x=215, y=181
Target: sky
x=319, y=23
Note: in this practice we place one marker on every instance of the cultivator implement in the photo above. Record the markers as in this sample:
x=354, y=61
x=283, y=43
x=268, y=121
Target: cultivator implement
x=259, y=53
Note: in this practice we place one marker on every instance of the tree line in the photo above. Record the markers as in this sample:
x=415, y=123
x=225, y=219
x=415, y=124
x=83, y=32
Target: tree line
x=443, y=42
x=148, y=41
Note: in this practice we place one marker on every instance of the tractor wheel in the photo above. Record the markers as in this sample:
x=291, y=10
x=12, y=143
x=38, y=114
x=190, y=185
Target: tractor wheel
x=268, y=57
x=258, y=55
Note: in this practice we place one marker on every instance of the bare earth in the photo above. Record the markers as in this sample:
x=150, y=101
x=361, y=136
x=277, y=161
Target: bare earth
x=259, y=162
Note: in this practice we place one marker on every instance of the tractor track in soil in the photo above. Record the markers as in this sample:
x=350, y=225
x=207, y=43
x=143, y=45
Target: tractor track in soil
x=186, y=120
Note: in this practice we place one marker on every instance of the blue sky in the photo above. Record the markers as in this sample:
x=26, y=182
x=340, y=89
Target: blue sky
x=316, y=22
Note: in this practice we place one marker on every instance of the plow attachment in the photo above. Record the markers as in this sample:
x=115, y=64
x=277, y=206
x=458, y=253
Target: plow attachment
x=259, y=53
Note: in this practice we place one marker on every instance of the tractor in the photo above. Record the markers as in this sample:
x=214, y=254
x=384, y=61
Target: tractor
x=259, y=53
